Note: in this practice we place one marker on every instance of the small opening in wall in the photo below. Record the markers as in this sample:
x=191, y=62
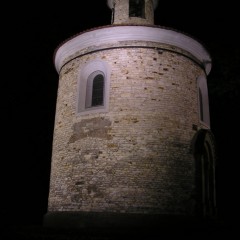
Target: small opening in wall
x=137, y=8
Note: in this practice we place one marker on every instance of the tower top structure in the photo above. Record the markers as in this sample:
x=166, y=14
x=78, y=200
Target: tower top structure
x=111, y=3
x=139, y=12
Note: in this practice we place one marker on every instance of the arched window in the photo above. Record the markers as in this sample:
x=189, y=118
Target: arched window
x=98, y=90
x=137, y=8
x=93, y=87
x=203, y=100
x=204, y=150
x=95, y=90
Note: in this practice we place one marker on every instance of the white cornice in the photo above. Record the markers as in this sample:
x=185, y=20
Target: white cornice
x=116, y=34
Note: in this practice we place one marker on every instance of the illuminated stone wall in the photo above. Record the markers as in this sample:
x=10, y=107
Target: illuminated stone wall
x=135, y=158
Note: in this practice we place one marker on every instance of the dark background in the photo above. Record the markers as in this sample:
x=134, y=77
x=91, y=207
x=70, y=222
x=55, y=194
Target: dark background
x=31, y=33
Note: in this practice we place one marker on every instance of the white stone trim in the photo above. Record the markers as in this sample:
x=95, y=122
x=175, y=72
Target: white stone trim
x=116, y=34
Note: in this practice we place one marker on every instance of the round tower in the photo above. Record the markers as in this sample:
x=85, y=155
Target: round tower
x=132, y=129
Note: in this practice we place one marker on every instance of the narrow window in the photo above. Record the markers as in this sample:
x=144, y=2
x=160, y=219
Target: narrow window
x=200, y=104
x=95, y=90
x=137, y=8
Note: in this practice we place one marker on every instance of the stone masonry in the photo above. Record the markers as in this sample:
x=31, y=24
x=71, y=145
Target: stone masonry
x=136, y=155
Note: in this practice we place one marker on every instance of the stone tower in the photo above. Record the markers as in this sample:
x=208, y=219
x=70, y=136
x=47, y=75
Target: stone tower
x=132, y=136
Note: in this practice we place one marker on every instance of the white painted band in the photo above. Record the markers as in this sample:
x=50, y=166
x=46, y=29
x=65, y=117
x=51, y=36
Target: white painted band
x=116, y=34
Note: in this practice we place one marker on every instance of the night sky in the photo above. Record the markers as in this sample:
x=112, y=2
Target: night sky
x=31, y=33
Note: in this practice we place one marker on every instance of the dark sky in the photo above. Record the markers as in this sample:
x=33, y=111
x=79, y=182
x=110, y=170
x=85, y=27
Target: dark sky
x=31, y=33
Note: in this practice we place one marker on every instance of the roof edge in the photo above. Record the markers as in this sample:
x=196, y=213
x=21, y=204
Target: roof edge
x=152, y=33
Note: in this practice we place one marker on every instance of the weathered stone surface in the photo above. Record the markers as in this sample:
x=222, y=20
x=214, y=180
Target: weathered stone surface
x=95, y=128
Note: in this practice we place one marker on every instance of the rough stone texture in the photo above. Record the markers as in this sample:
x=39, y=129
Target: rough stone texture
x=135, y=158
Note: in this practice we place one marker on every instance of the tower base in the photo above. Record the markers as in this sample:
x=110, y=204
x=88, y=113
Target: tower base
x=89, y=220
